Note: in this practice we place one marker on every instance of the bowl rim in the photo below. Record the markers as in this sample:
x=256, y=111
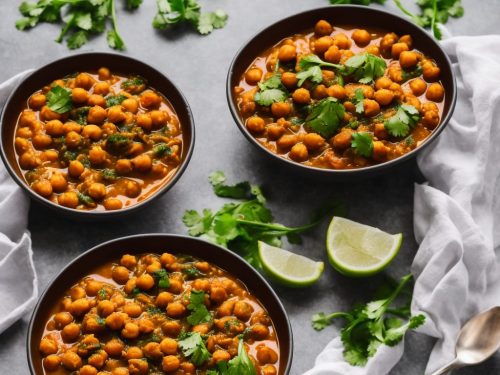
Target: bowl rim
x=92, y=213
x=166, y=236
x=339, y=172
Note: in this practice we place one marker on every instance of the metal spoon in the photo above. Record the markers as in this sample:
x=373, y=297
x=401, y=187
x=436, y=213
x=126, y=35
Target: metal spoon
x=478, y=340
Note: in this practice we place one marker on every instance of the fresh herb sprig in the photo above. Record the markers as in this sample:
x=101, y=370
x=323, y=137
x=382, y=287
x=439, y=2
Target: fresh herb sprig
x=239, y=226
x=193, y=347
x=403, y=120
x=372, y=325
x=239, y=365
x=199, y=312
x=271, y=90
x=59, y=99
x=362, y=143
x=325, y=116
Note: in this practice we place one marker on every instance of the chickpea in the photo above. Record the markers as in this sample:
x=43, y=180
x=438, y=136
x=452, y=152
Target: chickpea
x=128, y=261
x=153, y=267
x=387, y=42
x=152, y=350
x=49, y=155
x=435, y=92
x=79, y=307
x=201, y=284
x=287, y=141
x=97, y=190
x=54, y=128
x=380, y=132
x=175, y=309
x=112, y=204
x=115, y=321
x=313, y=141
x=342, y=41
x=114, y=348
x=98, y=359
x=104, y=73
x=58, y=182
x=145, y=282
x=75, y=168
x=73, y=140
x=384, y=96
x=150, y=99
x=287, y=53
x=21, y=144
x=132, y=309
x=379, y=151
x=175, y=286
x=289, y=79
x=134, y=352
x=51, y=362
x=130, y=105
x=220, y=355
x=79, y=95
x=343, y=139
x=120, y=371
x=253, y=76
x=37, y=101
x=93, y=132
x=431, y=73
x=281, y=109
x=96, y=99
x=146, y=325
x=42, y=187
x=322, y=44
x=323, y=27
x=408, y=59
x=171, y=328
x=88, y=370
x=188, y=367
x=46, y=114
x=27, y=118
x=266, y=355
x=301, y=96
x=130, y=331
x=336, y=91
x=123, y=166
x=118, y=300
x=395, y=73
x=431, y=119
x=115, y=114
x=320, y=92
x=72, y=126
x=142, y=163
x=105, y=308
x=24, y=133
x=101, y=88
x=132, y=189
x=170, y=363
x=406, y=39
x=299, y=152
x=84, y=80
x=373, y=50
x=97, y=155
x=71, y=361
x=226, y=308
x=259, y=331
x=77, y=292
x=371, y=107
x=138, y=366
x=120, y=274
x=397, y=49
x=383, y=83
x=62, y=319
x=48, y=346
x=413, y=100
x=361, y=37
x=96, y=115
x=145, y=121
x=418, y=86
x=268, y=370
x=396, y=88
x=243, y=310
x=159, y=118
x=70, y=332
x=218, y=294
x=167, y=259
x=68, y=199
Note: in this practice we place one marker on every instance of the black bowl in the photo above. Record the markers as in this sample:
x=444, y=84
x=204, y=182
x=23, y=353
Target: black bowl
x=158, y=243
x=84, y=62
x=358, y=16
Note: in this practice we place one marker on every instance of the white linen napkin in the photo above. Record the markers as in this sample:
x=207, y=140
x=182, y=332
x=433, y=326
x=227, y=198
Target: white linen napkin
x=18, y=281
x=455, y=215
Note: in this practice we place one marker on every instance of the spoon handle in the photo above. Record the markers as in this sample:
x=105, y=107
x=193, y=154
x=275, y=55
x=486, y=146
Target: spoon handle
x=450, y=366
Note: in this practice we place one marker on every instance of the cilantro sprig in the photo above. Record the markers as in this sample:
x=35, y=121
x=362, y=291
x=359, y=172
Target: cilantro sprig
x=403, y=120
x=324, y=116
x=193, y=347
x=271, y=91
x=372, y=325
x=362, y=143
x=59, y=99
x=240, y=225
x=161, y=276
x=199, y=312
x=239, y=365
x=365, y=67
x=310, y=68
x=173, y=12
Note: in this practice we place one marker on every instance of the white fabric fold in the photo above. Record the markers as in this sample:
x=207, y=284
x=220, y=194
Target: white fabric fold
x=457, y=266
x=18, y=281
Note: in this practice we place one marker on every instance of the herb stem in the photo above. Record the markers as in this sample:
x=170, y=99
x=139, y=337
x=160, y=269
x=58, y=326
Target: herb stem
x=65, y=30
x=276, y=227
x=403, y=9
x=404, y=280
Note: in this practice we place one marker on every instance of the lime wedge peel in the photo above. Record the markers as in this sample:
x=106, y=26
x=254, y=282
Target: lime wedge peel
x=287, y=268
x=360, y=250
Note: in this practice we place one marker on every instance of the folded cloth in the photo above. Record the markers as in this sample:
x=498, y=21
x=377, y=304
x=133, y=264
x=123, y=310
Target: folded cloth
x=18, y=281
x=456, y=268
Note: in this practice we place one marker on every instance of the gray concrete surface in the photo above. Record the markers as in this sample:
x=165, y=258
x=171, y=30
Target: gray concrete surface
x=198, y=65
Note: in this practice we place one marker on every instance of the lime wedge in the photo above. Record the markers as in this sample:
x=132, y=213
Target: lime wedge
x=287, y=268
x=359, y=250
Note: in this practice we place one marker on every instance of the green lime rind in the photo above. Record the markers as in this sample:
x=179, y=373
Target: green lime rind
x=272, y=260
x=353, y=271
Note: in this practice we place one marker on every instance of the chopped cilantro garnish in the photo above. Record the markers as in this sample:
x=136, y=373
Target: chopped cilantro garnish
x=113, y=100
x=362, y=143
x=161, y=149
x=85, y=199
x=405, y=118
x=325, y=116
x=162, y=277
x=365, y=67
x=199, y=312
x=194, y=348
x=59, y=99
x=358, y=100
x=271, y=91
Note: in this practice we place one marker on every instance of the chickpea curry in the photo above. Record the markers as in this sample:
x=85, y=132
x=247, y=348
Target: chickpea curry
x=341, y=97
x=156, y=314
x=98, y=141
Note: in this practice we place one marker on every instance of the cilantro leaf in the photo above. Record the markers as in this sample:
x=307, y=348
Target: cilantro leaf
x=324, y=116
x=59, y=99
x=395, y=335
x=365, y=67
x=362, y=143
x=199, y=312
x=313, y=74
x=240, y=190
x=77, y=39
x=312, y=60
x=161, y=149
x=409, y=74
x=358, y=99
x=133, y=4
x=112, y=100
x=271, y=91
x=162, y=277
x=211, y=20
x=405, y=118
x=192, y=346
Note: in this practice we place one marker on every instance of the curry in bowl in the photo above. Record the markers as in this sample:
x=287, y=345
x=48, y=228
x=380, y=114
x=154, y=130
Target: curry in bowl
x=341, y=97
x=98, y=140
x=159, y=313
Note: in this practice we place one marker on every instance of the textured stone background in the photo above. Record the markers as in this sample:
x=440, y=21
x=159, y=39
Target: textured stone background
x=198, y=65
